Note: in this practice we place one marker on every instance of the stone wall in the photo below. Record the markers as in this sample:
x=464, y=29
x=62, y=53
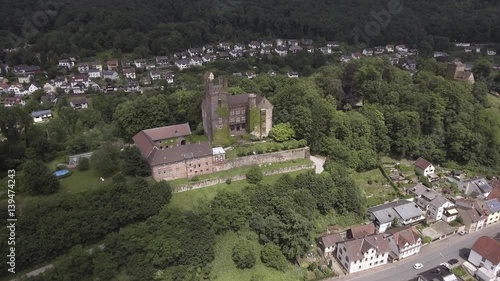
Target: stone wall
x=266, y=158
x=210, y=182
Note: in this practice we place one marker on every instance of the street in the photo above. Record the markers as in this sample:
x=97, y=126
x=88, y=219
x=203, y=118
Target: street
x=430, y=256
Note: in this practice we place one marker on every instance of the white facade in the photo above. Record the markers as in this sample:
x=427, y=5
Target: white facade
x=182, y=64
x=130, y=75
x=94, y=74
x=427, y=171
x=436, y=212
x=371, y=259
x=478, y=260
x=32, y=88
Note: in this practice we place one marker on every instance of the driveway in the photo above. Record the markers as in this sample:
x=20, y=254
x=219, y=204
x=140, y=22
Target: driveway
x=319, y=161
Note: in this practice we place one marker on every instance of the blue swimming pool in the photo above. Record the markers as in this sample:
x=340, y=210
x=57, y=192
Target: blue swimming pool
x=61, y=173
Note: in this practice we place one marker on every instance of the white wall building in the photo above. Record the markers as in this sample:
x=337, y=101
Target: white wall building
x=362, y=254
x=424, y=167
x=486, y=253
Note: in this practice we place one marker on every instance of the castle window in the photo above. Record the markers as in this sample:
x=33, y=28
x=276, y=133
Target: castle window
x=231, y=119
x=199, y=165
x=232, y=113
x=243, y=119
x=237, y=119
x=237, y=112
x=206, y=163
x=242, y=111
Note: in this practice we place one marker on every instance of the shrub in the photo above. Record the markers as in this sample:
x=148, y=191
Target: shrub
x=228, y=181
x=243, y=254
x=195, y=179
x=369, y=181
x=254, y=175
x=83, y=164
x=61, y=167
x=272, y=256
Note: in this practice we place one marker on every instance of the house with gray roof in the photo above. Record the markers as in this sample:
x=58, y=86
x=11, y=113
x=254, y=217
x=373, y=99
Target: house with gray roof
x=432, y=202
x=402, y=212
x=41, y=116
x=362, y=254
x=475, y=188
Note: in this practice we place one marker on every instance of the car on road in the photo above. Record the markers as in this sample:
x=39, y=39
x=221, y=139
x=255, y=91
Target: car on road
x=453, y=261
x=445, y=264
x=418, y=266
x=462, y=232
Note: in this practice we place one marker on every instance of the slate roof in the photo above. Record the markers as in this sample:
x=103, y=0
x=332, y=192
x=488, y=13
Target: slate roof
x=422, y=163
x=493, y=205
x=488, y=248
x=470, y=211
x=495, y=190
x=439, y=273
x=356, y=248
x=167, y=132
x=403, y=235
x=179, y=153
x=40, y=113
x=398, y=209
x=361, y=231
x=330, y=240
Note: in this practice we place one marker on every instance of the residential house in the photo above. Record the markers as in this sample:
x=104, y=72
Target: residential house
x=24, y=78
x=224, y=46
x=182, y=64
x=251, y=52
x=162, y=61
x=250, y=74
x=475, y=188
x=394, y=59
x=48, y=99
x=486, y=253
x=110, y=74
x=59, y=81
x=281, y=51
x=462, y=44
x=440, y=54
x=307, y=42
x=4, y=88
x=140, y=63
x=294, y=49
x=223, y=55
x=401, y=212
x=208, y=58
x=424, y=167
x=94, y=73
x=239, y=47
x=79, y=79
x=403, y=241
x=389, y=48
x=254, y=45
x=33, y=87
x=332, y=44
x=472, y=215
x=356, y=55
x=41, y=116
x=265, y=51
x=129, y=73
x=439, y=273
x=368, y=52
x=468, y=49
x=266, y=44
x=145, y=80
x=345, y=59
x=292, y=74
x=83, y=67
x=413, y=52
x=309, y=49
x=410, y=64
x=17, y=89
x=126, y=63
x=67, y=63
x=495, y=190
x=491, y=52
x=401, y=48
x=168, y=76
x=112, y=65
x=236, y=53
x=477, y=49
x=430, y=201
x=96, y=65
x=27, y=69
x=379, y=50
x=492, y=210
x=362, y=254
x=325, y=50
x=280, y=42
x=208, y=49
x=79, y=103
x=13, y=101
x=237, y=74
x=293, y=42
x=361, y=231
x=181, y=55
x=155, y=75
x=449, y=214
x=328, y=243
x=132, y=86
x=195, y=52
x=196, y=61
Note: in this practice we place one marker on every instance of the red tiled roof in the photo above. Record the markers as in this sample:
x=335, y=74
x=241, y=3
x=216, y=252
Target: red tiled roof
x=168, y=132
x=495, y=191
x=422, y=163
x=179, y=153
x=488, y=248
x=361, y=231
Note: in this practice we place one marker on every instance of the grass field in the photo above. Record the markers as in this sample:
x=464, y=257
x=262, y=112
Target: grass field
x=378, y=191
x=190, y=199
x=224, y=269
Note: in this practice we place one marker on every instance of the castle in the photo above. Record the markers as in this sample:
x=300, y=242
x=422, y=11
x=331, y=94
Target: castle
x=226, y=115
x=456, y=71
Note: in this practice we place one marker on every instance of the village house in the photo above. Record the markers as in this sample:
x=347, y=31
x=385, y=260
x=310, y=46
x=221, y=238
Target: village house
x=439, y=273
x=24, y=78
x=17, y=89
x=430, y=201
x=132, y=86
x=254, y=45
x=410, y=64
x=485, y=253
x=193, y=52
x=208, y=49
x=491, y=52
x=440, y=54
x=4, y=88
x=155, y=75
x=389, y=48
x=140, y=63
x=162, y=61
x=362, y=254
x=112, y=65
x=307, y=42
x=403, y=242
x=449, y=214
x=48, y=99
x=13, y=101
x=345, y=59
x=281, y=51
x=475, y=188
x=368, y=52
x=182, y=64
x=208, y=58
x=239, y=47
x=401, y=212
x=168, y=76
x=240, y=114
x=328, y=244
x=456, y=71
x=293, y=42
x=492, y=210
x=472, y=215
x=96, y=65
x=266, y=44
x=33, y=87
x=126, y=63
x=462, y=44
x=196, y=61
x=83, y=67
x=280, y=42
x=401, y=48
x=379, y=50
x=41, y=116
x=94, y=73
x=67, y=63
x=79, y=103
x=292, y=74
x=356, y=55
x=265, y=51
x=236, y=53
x=250, y=74
x=413, y=52
x=332, y=44
x=77, y=79
x=424, y=167
x=468, y=49
x=325, y=50
x=294, y=49
x=129, y=73
x=27, y=69
x=361, y=231
x=224, y=46
x=495, y=190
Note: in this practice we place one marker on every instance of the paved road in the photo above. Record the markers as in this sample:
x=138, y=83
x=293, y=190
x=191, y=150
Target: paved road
x=318, y=162
x=430, y=256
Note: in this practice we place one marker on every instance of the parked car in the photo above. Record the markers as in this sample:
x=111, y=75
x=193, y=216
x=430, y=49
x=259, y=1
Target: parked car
x=462, y=232
x=445, y=264
x=453, y=261
x=418, y=266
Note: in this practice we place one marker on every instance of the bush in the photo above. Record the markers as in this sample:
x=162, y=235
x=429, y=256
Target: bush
x=83, y=164
x=243, y=254
x=228, y=181
x=271, y=256
x=369, y=181
x=254, y=175
x=195, y=179
x=427, y=239
x=61, y=167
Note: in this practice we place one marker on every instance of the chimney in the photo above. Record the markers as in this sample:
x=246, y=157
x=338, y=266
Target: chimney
x=252, y=101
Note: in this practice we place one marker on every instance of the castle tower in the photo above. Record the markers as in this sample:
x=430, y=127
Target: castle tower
x=252, y=101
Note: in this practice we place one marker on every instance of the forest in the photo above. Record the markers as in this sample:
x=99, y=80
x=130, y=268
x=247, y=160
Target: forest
x=87, y=27
x=447, y=122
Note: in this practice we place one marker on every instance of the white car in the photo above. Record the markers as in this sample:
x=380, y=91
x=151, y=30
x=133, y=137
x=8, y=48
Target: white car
x=462, y=233
x=445, y=264
x=418, y=266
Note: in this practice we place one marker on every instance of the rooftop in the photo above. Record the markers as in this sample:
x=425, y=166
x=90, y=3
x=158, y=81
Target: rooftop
x=488, y=248
x=422, y=163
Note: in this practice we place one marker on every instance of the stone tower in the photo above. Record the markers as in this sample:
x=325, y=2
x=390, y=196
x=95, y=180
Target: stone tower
x=215, y=98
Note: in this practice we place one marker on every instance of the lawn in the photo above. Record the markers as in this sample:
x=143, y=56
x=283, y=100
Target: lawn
x=494, y=101
x=188, y=200
x=224, y=269
x=378, y=191
x=243, y=171
x=461, y=272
